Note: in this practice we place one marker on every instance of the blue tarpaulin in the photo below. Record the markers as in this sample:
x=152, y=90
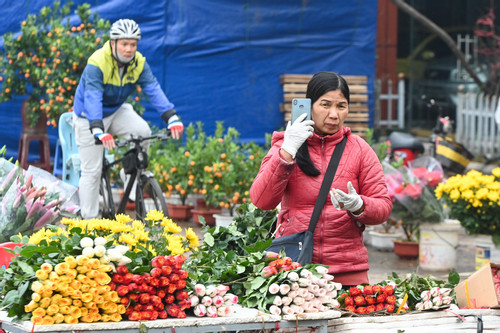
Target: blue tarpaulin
x=221, y=60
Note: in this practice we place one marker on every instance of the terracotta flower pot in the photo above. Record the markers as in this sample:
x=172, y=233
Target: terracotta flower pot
x=180, y=212
x=208, y=214
x=406, y=249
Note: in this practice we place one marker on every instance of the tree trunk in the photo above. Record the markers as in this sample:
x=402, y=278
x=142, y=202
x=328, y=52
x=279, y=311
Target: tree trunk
x=443, y=35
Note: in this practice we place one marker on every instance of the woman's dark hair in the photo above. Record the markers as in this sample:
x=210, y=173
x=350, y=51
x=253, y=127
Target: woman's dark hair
x=320, y=84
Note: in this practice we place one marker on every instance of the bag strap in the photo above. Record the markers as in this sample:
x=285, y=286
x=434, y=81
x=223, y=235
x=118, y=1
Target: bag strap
x=327, y=182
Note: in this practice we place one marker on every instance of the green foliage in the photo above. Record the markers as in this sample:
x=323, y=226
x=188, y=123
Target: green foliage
x=234, y=254
x=47, y=57
x=412, y=285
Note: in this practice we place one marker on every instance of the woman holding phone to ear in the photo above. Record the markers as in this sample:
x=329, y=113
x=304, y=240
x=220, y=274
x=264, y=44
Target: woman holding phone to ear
x=293, y=170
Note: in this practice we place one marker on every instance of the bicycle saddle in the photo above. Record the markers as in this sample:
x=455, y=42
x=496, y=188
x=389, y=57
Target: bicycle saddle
x=401, y=140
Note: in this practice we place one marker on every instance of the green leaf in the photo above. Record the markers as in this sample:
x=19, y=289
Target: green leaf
x=257, y=282
x=26, y=268
x=453, y=277
x=209, y=239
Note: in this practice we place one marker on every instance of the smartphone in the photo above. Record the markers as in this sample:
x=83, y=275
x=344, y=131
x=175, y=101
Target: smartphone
x=300, y=106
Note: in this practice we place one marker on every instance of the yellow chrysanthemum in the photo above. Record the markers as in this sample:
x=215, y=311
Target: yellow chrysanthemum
x=155, y=215
x=192, y=237
x=170, y=227
x=122, y=218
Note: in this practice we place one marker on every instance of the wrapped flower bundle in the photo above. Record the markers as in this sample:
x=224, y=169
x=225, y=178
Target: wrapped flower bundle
x=369, y=298
x=434, y=298
x=212, y=300
x=32, y=199
x=159, y=293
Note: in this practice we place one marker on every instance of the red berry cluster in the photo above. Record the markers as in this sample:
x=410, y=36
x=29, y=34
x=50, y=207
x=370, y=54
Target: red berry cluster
x=276, y=264
x=158, y=294
x=369, y=299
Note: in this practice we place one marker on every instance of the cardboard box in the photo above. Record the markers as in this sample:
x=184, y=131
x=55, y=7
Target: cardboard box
x=480, y=289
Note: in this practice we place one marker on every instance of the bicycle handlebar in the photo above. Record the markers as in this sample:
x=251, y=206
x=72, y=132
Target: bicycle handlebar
x=163, y=135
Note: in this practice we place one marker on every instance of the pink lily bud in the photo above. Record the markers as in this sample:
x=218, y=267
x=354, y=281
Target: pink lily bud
x=274, y=310
x=222, y=289
x=277, y=300
x=302, y=292
x=211, y=311
x=310, y=296
x=294, y=286
x=218, y=301
x=321, y=270
x=294, y=293
x=299, y=300
x=445, y=291
x=328, y=277
x=305, y=273
x=329, y=286
x=287, y=310
x=199, y=289
x=211, y=290
x=296, y=309
x=435, y=291
x=293, y=276
x=286, y=300
x=284, y=289
x=322, y=292
x=200, y=310
x=322, y=283
x=313, y=288
x=194, y=300
x=419, y=306
x=335, y=304
x=425, y=295
x=274, y=288
x=304, y=282
x=230, y=298
x=438, y=300
x=207, y=301
x=332, y=294
x=223, y=311
x=447, y=300
x=316, y=303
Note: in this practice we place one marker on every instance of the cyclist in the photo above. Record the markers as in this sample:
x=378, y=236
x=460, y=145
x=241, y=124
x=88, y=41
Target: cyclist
x=110, y=76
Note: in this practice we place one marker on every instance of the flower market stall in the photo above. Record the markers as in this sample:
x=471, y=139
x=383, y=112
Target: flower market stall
x=125, y=275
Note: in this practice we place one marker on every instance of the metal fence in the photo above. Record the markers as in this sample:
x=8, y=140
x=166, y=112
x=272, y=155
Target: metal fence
x=477, y=129
x=389, y=104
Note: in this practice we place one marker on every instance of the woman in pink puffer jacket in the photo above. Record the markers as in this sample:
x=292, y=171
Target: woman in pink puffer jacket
x=293, y=170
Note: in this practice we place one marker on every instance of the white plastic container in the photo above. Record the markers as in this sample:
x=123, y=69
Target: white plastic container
x=486, y=251
x=223, y=220
x=438, y=245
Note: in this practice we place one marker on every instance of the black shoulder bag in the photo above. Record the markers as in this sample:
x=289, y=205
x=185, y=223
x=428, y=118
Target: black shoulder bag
x=299, y=246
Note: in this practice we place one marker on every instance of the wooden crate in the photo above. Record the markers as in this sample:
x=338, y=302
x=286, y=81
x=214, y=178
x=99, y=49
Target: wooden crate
x=295, y=86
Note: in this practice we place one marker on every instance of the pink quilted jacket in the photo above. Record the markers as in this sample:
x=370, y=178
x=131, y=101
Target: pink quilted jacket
x=338, y=235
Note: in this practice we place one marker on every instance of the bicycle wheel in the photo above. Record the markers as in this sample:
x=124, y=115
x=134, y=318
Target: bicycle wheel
x=149, y=197
x=107, y=206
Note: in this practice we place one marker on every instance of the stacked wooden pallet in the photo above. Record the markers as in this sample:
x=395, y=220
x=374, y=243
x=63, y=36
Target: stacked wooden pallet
x=295, y=86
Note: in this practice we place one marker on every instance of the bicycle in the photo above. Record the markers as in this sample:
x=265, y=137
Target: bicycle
x=135, y=163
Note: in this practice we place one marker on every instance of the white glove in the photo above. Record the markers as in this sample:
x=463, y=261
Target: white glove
x=347, y=201
x=296, y=134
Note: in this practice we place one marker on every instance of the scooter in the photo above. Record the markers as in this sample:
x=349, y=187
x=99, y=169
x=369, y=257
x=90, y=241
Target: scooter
x=453, y=156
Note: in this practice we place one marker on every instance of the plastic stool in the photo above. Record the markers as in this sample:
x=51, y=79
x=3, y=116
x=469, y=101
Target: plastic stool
x=70, y=156
x=6, y=257
x=57, y=169
x=24, y=146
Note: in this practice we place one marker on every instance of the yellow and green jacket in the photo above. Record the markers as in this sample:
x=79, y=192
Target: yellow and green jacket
x=101, y=90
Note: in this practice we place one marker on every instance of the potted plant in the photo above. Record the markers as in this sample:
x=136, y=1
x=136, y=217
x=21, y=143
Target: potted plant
x=419, y=213
x=175, y=166
x=473, y=199
x=46, y=58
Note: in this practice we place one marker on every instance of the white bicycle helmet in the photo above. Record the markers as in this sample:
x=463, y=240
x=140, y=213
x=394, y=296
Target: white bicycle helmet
x=125, y=29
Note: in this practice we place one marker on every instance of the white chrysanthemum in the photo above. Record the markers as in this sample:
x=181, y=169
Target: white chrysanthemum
x=86, y=242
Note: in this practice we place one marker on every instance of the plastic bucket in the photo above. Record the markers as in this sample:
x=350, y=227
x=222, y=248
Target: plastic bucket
x=437, y=246
x=223, y=220
x=486, y=251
